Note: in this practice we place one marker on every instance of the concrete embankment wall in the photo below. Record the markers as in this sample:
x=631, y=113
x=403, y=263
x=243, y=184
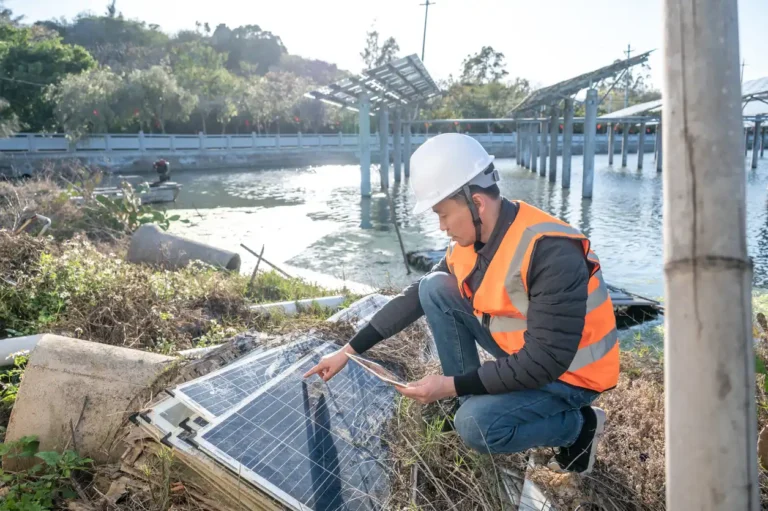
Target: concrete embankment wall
x=25, y=154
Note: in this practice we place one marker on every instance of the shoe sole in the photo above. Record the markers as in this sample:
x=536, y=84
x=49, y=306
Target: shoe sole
x=599, y=430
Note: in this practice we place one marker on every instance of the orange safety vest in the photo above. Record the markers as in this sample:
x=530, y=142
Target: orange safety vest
x=501, y=300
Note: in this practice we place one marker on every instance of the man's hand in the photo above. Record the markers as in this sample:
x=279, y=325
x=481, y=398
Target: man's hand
x=429, y=389
x=331, y=364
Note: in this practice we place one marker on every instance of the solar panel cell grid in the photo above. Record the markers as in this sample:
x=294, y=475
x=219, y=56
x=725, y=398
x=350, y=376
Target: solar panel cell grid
x=312, y=444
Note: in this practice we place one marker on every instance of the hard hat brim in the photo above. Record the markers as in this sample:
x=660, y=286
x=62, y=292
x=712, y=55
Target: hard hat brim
x=422, y=207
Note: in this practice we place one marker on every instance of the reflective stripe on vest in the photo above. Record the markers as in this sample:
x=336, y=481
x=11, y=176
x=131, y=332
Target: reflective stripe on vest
x=518, y=295
x=595, y=351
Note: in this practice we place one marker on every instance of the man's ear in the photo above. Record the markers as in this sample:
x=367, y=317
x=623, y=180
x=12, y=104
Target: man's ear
x=479, y=200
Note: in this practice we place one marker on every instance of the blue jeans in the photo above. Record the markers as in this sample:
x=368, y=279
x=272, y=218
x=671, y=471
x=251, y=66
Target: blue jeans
x=496, y=423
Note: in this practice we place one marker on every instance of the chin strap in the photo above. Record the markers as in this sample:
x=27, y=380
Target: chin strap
x=473, y=210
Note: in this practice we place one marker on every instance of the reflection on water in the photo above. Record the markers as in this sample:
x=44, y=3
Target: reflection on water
x=314, y=218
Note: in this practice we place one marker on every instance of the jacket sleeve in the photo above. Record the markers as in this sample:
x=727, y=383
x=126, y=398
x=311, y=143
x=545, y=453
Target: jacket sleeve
x=400, y=312
x=558, y=287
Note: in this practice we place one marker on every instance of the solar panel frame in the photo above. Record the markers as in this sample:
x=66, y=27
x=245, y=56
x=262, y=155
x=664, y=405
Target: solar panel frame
x=296, y=459
x=360, y=312
x=220, y=382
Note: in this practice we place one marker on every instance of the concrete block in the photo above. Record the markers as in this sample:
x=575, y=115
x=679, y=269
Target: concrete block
x=67, y=380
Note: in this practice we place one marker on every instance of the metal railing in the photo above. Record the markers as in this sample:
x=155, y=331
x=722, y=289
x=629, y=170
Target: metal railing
x=116, y=143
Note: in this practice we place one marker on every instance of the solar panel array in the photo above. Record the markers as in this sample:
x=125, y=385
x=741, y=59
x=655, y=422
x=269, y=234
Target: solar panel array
x=221, y=390
x=310, y=444
x=361, y=311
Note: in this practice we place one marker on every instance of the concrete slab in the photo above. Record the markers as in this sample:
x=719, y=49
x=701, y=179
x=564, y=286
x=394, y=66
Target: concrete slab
x=91, y=388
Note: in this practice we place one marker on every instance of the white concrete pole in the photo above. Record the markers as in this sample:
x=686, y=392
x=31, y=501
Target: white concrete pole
x=567, y=140
x=397, y=156
x=364, y=144
x=590, y=125
x=624, y=143
x=756, y=142
x=543, y=150
x=641, y=145
x=711, y=437
x=554, y=130
x=610, y=143
x=384, y=147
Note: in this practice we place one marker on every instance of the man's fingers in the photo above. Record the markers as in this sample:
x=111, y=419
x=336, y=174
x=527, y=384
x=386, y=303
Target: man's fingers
x=319, y=367
x=411, y=392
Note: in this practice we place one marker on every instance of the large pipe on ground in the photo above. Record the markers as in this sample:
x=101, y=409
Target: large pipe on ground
x=151, y=245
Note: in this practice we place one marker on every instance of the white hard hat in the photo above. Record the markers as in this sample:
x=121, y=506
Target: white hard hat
x=444, y=164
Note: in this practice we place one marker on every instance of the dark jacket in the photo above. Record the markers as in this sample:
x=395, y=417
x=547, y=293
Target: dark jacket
x=557, y=280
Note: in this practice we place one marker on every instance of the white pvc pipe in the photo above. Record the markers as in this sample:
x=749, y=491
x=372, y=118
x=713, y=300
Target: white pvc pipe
x=14, y=345
x=292, y=307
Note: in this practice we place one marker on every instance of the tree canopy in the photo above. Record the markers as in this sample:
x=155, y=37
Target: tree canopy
x=104, y=72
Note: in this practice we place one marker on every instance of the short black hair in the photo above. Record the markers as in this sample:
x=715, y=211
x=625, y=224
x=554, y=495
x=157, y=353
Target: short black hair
x=492, y=191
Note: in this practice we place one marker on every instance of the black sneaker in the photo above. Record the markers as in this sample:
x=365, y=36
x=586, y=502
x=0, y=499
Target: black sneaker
x=580, y=457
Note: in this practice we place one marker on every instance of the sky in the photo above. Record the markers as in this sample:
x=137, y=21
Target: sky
x=544, y=41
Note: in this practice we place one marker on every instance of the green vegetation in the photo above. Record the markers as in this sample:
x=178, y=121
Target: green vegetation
x=44, y=485
x=83, y=290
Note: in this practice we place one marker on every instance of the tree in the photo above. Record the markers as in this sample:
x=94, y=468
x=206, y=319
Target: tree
x=317, y=71
x=154, y=97
x=111, y=9
x=249, y=49
x=86, y=102
x=28, y=66
x=375, y=55
x=489, y=100
x=281, y=93
x=200, y=70
x=486, y=66
x=637, y=79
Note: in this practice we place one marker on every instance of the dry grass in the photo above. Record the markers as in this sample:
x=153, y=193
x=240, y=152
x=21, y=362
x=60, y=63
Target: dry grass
x=87, y=291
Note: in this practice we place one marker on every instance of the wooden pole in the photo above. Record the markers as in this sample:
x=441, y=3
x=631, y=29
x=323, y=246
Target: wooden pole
x=711, y=437
x=255, y=269
x=262, y=259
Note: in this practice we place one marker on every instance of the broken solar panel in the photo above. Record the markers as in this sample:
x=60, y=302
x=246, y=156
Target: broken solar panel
x=361, y=311
x=310, y=444
x=218, y=392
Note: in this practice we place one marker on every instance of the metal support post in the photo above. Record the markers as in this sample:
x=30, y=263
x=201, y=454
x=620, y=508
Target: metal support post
x=567, y=140
x=659, y=144
x=543, y=150
x=610, y=143
x=397, y=156
x=364, y=144
x=554, y=129
x=526, y=131
x=641, y=145
x=534, y=146
x=407, y=144
x=746, y=141
x=624, y=143
x=756, y=141
x=762, y=143
x=517, y=144
x=590, y=126
x=709, y=362
x=384, y=148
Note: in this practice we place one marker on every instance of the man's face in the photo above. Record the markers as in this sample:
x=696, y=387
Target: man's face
x=456, y=221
